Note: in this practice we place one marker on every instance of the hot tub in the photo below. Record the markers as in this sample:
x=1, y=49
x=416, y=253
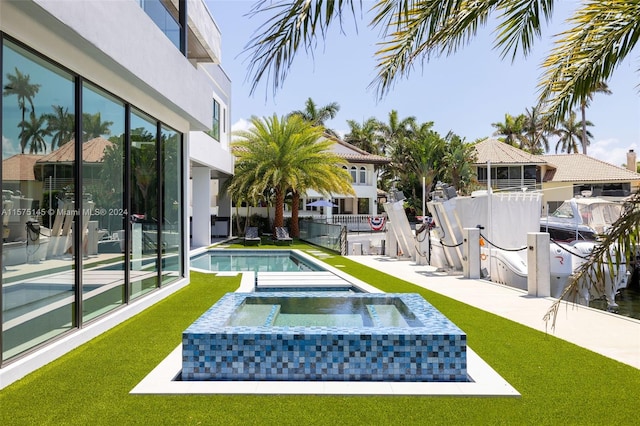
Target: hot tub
x=324, y=337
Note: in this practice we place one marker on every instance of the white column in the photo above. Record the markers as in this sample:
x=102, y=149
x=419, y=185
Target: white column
x=200, y=207
x=538, y=264
x=471, y=253
x=391, y=244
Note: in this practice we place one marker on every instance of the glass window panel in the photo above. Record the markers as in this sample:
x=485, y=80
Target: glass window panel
x=529, y=172
x=38, y=281
x=171, y=202
x=103, y=202
x=515, y=172
x=144, y=205
x=363, y=175
x=215, y=126
x=353, y=174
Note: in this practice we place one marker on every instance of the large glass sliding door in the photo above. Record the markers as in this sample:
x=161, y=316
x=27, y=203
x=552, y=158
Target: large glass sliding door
x=91, y=196
x=104, y=211
x=144, y=204
x=38, y=281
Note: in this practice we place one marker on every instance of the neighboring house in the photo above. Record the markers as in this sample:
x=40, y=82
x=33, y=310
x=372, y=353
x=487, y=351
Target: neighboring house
x=362, y=167
x=560, y=177
x=142, y=82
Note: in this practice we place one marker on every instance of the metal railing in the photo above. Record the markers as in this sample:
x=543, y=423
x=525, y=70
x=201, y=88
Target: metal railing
x=512, y=184
x=356, y=222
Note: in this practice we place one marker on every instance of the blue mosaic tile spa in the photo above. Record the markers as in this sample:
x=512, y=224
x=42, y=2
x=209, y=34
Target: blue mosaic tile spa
x=324, y=337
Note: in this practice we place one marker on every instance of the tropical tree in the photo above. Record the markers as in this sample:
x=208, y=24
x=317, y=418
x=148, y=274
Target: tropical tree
x=512, y=129
x=285, y=154
x=570, y=134
x=318, y=116
x=20, y=85
x=395, y=130
x=34, y=133
x=364, y=136
x=602, y=87
x=456, y=162
x=416, y=156
x=61, y=125
x=536, y=129
x=93, y=126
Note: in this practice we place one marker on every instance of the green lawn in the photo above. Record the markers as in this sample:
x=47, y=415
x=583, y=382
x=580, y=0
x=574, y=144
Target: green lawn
x=560, y=383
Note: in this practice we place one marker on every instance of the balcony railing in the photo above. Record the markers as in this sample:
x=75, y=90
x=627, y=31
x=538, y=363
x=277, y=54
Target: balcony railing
x=512, y=184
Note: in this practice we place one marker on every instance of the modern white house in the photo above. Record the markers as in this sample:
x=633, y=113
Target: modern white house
x=115, y=136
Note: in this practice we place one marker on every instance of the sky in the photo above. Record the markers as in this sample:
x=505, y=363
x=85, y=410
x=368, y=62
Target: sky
x=463, y=93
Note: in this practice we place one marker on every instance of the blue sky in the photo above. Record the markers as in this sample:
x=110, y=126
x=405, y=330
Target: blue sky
x=463, y=93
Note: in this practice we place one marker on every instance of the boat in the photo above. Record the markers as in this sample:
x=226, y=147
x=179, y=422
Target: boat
x=581, y=219
x=575, y=228
x=505, y=219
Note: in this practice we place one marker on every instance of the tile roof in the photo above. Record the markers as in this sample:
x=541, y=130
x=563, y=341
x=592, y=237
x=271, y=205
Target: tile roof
x=357, y=155
x=92, y=152
x=347, y=151
x=580, y=167
x=502, y=153
x=19, y=167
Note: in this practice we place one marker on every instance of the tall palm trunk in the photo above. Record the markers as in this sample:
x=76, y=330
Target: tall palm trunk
x=295, y=202
x=278, y=220
x=583, y=108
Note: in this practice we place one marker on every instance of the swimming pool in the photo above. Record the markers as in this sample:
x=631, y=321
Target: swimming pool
x=324, y=337
x=253, y=260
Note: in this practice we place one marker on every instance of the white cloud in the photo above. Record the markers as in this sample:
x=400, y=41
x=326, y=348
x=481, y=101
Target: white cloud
x=241, y=124
x=611, y=151
x=8, y=148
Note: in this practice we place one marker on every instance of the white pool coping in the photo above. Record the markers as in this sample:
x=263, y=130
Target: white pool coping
x=486, y=382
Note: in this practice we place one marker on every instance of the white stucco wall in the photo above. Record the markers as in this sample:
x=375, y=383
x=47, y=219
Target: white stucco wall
x=116, y=44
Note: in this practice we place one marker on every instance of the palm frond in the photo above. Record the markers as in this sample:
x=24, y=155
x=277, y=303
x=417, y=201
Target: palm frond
x=421, y=29
x=521, y=23
x=602, y=34
x=619, y=246
x=293, y=25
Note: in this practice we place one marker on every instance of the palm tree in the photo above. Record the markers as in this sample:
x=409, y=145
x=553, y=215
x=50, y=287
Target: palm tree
x=33, y=133
x=456, y=162
x=602, y=87
x=93, y=126
x=415, y=156
x=570, y=132
x=20, y=86
x=318, y=116
x=288, y=153
x=536, y=128
x=61, y=125
x=512, y=129
x=364, y=136
x=395, y=130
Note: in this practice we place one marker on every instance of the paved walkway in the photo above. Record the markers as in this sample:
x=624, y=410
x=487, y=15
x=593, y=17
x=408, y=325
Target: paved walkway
x=611, y=335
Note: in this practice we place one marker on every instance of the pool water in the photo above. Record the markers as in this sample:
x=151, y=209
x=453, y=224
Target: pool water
x=253, y=260
x=323, y=311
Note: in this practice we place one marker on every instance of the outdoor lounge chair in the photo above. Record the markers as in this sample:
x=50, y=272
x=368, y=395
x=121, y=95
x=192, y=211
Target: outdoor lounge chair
x=251, y=237
x=282, y=237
